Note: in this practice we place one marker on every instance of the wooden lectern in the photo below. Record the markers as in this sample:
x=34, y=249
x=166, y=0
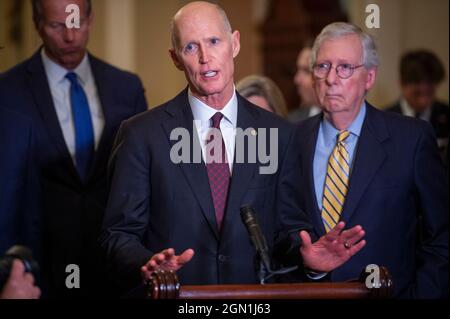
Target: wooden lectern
x=165, y=285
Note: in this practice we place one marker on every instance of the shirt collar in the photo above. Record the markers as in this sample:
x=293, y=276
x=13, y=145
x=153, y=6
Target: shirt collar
x=330, y=132
x=56, y=73
x=202, y=112
x=408, y=111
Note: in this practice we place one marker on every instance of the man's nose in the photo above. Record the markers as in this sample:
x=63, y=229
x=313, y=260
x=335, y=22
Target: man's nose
x=331, y=76
x=204, y=55
x=69, y=34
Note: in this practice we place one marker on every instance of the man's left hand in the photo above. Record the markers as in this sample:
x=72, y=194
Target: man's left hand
x=333, y=249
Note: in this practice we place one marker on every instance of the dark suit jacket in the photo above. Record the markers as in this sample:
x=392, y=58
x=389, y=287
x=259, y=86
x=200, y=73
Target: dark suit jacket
x=73, y=211
x=439, y=119
x=155, y=204
x=19, y=187
x=396, y=176
x=298, y=115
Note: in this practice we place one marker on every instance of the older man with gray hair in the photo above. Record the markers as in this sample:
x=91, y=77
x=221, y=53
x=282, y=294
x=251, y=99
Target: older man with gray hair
x=375, y=169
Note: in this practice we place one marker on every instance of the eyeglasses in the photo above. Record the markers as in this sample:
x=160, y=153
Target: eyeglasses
x=344, y=71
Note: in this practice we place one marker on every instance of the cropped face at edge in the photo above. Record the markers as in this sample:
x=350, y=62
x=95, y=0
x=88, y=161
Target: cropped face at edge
x=303, y=79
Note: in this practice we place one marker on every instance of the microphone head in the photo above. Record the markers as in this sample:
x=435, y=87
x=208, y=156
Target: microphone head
x=250, y=221
x=247, y=212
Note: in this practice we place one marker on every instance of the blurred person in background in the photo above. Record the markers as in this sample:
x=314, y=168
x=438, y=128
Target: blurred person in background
x=309, y=106
x=262, y=91
x=421, y=72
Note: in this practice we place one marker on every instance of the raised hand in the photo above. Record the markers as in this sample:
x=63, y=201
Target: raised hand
x=166, y=260
x=333, y=249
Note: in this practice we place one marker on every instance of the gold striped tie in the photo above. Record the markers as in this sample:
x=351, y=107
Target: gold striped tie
x=336, y=183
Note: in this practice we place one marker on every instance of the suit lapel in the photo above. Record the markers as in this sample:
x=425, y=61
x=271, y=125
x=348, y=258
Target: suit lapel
x=312, y=209
x=369, y=157
x=195, y=173
x=106, y=97
x=38, y=83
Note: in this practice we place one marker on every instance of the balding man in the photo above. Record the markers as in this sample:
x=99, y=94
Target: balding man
x=185, y=216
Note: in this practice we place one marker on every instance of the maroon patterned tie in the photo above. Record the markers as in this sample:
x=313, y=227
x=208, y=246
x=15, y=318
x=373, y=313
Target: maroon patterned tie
x=218, y=172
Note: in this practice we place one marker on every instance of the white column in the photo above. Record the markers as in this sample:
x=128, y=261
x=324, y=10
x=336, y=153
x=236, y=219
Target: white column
x=389, y=38
x=120, y=33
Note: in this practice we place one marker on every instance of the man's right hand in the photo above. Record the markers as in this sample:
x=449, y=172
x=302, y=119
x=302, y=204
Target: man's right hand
x=166, y=260
x=20, y=284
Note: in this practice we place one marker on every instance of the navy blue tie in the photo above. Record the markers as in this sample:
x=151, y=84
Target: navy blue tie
x=84, y=132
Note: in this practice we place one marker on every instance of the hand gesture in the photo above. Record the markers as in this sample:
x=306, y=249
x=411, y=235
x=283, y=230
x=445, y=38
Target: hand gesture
x=333, y=249
x=166, y=260
x=20, y=284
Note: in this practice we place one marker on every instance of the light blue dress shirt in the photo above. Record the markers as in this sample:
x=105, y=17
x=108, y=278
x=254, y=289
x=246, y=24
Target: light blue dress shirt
x=60, y=90
x=326, y=141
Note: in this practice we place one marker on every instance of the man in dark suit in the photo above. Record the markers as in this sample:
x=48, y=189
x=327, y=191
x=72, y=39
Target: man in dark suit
x=420, y=74
x=372, y=168
x=19, y=185
x=76, y=103
x=19, y=188
x=163, y=214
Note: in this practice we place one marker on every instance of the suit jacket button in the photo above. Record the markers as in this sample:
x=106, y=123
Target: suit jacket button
x=222, y=258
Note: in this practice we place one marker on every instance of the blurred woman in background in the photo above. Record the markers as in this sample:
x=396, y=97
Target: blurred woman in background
x=262, y=91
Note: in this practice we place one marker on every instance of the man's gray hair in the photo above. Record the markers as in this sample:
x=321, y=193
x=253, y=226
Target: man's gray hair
x=336, y=30
x=174, y=32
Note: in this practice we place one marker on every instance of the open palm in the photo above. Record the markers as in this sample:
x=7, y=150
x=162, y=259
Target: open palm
x=333, y=249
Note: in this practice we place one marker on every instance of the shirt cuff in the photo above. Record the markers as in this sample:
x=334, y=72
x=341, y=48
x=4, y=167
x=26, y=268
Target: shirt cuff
x=315, y=275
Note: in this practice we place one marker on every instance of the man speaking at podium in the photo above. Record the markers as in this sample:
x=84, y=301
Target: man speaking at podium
x=185, y=217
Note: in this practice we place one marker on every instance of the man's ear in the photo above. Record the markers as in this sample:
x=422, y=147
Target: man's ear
x=236, y=43
x=175, y=59
x=371, y=77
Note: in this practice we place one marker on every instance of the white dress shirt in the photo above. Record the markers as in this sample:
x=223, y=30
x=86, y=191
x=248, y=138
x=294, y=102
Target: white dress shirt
x=60, y=90
x=408, y=111
x=203, y=113
x=314, y=110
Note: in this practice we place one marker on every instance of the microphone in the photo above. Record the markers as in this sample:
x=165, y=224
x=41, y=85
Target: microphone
x=248, y=216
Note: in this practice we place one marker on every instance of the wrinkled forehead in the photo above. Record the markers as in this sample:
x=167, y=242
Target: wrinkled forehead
x=205, y=22
x=56, y=9
x=347, y=48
